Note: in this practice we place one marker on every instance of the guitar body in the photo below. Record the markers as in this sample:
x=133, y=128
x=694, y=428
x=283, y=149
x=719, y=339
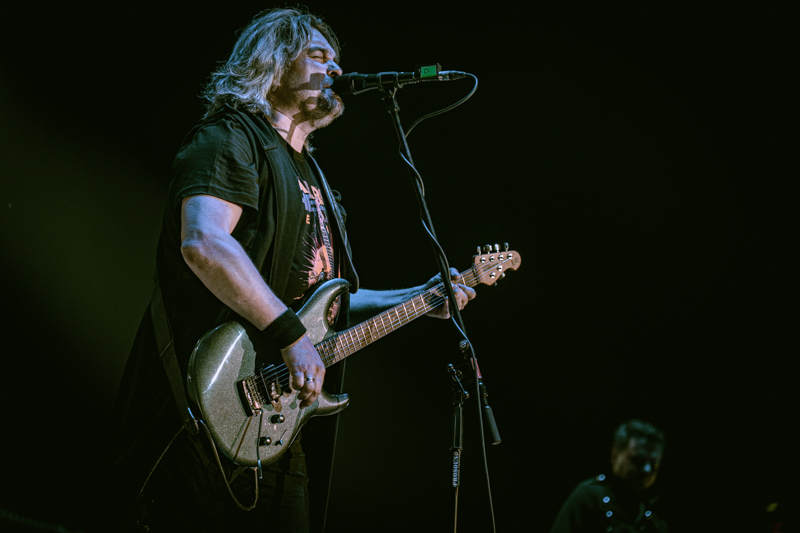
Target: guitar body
x=251, y=416
x=245, y=402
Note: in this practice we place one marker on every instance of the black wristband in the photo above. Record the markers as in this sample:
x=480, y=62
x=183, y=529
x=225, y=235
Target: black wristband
x=284, y=330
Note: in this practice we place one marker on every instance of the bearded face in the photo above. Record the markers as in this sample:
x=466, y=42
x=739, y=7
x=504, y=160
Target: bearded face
x=328, y=106
x=304, y=92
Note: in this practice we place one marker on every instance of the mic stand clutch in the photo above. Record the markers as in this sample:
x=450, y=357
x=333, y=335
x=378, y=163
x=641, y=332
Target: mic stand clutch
x=488, y=415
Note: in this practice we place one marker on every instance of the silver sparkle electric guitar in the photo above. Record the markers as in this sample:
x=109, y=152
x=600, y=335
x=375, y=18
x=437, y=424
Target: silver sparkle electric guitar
x=248, y=406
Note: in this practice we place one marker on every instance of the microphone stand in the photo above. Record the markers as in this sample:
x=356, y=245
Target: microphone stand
x=459, y=395
x=388, y=97
x=393, y=109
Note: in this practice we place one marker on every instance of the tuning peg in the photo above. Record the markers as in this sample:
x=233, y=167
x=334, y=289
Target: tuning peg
x=487, y=248
x=479, y=250
x=505, y=246
x=496, y=247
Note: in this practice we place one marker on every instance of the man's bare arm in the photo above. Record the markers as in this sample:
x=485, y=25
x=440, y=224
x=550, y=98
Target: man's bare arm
x=366, y=303
x=225, y=268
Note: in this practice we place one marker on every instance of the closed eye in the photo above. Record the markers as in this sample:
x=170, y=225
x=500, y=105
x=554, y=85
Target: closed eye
x=319, y=54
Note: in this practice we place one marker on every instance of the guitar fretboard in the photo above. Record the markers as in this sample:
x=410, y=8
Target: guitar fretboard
x=347, y=342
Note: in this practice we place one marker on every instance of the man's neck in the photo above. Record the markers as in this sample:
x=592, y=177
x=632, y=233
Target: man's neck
x=295, y=133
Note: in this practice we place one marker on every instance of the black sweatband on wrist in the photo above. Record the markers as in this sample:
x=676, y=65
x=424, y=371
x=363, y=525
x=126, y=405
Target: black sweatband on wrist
x=284, y=330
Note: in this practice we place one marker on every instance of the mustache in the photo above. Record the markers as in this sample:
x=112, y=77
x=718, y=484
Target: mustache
x=328, y=102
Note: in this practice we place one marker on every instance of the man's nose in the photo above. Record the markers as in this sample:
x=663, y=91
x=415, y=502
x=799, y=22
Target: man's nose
x=334, y=69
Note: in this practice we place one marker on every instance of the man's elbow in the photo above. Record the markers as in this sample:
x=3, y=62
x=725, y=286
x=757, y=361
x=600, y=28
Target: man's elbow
x=195, y=251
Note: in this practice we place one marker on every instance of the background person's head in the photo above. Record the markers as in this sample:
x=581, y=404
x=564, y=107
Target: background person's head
x=636, y=453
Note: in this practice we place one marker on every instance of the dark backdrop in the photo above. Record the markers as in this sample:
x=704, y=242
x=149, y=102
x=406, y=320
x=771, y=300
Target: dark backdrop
x=636, y=159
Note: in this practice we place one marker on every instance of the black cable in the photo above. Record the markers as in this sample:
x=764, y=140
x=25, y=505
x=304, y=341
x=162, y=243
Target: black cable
x=225, y=478
x=150, y=474
x=445, y=109
x=442, y=259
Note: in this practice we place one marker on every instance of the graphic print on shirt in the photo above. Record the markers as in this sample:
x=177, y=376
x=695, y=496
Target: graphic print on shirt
x=318, y=252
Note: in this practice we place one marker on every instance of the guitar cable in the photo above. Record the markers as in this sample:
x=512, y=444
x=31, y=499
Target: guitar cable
x=219, y=464
x=149, y=475
x=235, y=472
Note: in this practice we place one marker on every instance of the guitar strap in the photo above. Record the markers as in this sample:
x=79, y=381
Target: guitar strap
x=166, y=352
x=277, y=160
x=163, y=332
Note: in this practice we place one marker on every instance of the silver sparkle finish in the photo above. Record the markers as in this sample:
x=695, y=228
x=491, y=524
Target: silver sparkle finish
x=225, y=356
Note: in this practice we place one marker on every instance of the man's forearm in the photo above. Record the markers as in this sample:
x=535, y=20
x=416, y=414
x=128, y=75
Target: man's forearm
x=367, y=303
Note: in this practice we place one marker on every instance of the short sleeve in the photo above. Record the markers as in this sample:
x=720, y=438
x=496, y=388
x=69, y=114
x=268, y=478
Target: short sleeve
x=218, y=160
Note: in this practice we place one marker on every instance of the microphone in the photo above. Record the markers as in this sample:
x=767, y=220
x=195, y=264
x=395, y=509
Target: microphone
x=356, y=83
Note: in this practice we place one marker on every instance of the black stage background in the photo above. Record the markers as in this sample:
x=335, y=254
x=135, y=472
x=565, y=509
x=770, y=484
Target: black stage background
x=633, y=157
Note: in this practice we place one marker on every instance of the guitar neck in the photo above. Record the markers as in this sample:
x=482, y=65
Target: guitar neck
x=347, y=342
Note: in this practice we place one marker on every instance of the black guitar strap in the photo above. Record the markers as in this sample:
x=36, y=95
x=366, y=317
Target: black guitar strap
x=280, y=163
x=166, y=352
x=277, y=160
x=163, y=332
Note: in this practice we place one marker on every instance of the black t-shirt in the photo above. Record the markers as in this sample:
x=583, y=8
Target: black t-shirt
x=313, y=260
x=220, y=160
x=232, y=156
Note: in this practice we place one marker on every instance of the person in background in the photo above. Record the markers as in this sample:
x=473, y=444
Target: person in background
x=624, y=500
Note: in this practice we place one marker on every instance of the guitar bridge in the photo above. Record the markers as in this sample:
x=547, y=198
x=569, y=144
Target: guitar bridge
x=259, y=389
x=249, y=395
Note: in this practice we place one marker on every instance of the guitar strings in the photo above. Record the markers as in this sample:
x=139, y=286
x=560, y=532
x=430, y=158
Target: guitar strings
x=432, y=299
x=328, y=347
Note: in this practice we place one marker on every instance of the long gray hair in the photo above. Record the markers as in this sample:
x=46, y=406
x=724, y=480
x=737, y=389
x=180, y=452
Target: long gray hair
x=260, y=57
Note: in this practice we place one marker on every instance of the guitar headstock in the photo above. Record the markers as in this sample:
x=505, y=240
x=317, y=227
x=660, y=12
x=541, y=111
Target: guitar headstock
x=491, y=263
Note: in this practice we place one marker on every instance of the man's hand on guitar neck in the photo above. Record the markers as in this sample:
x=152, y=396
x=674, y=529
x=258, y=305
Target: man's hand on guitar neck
x=305, y=368
x=463, y=293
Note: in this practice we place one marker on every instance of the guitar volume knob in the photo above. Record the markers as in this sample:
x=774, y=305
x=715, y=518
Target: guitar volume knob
x=277, y=419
